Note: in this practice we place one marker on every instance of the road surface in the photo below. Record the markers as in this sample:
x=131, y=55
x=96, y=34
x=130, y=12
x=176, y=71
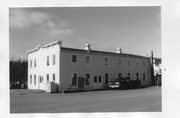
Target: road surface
x=136, y=100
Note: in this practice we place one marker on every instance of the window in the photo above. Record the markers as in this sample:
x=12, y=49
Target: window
x=137, y=63
x=129, y=63
x=47, y=77
x=34, y=62
x=129, y=75
x=144, y=77
x=30, y=79
x=34, y=79
x=54, y=77
x=31, y=63
x=106, y=78
x=87, y=59
x=47, y=60
x=119, y=75
x=87, y=78
x=74, y=79
x=99, y=78
x=144, y=63
x=106, y=60
x=95, y=78
x=41, y=79
x=137, y=76
x=119, y=61
x=54, y=59
x=74, y=58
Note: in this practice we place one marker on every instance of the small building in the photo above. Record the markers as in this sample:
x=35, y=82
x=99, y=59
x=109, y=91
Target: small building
x=157, y=71
x=67, y=67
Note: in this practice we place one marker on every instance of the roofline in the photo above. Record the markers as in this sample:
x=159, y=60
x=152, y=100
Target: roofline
x=43, y=46
x=96, y=51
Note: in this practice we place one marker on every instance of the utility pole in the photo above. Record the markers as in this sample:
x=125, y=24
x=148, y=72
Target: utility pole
x=152, y=69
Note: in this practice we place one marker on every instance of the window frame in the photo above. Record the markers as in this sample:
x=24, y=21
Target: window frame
x=119, y=61
x=89, y=62
x=76, y=58
x=87, y=80
x=106, y=78
x=47, y=78
x=47, y=60
x=34, y=79
x=54, y=77
x=54, y=59
x=72, y=76
x=106, y=63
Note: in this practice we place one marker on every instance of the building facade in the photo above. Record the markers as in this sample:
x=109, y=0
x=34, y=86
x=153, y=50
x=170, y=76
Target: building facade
x=64, y=66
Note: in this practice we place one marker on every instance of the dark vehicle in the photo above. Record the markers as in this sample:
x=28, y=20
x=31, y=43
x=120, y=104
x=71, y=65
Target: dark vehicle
x=124, y=83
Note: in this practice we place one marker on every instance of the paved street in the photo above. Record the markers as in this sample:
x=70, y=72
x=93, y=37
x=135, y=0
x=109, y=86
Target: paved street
x=137, y=100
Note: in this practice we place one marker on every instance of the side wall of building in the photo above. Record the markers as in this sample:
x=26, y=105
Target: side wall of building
x=42, y=72
x=97, y=68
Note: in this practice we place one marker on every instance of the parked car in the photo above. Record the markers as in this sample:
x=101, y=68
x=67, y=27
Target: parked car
x=124, y=83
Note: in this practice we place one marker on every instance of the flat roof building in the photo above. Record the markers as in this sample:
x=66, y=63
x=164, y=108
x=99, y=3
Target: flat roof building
x=64, y=66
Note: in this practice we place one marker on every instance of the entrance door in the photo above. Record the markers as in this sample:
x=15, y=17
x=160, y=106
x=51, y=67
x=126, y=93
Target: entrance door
x=97, y=82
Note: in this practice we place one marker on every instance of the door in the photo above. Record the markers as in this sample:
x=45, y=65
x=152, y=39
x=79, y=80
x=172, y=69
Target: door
x=97, y=82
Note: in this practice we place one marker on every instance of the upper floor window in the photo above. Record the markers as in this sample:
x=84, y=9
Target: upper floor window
x=119, y=61
x=47, y=60
x=30, y=63
x=88, y=59
x=34, y=62
x=106, y=60
x=74, y=58
x=144, y=63
x=129, y=63
x=137, y=63
x=54, y=59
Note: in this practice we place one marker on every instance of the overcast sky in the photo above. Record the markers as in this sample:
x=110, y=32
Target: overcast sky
x=137, y=30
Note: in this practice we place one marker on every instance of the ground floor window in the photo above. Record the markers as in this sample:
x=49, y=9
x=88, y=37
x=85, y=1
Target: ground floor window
x=95, y=78
x=106, y=78
x=87, y=78
x=144, y=77
x=119, y=75
x=74, y=79
x=30, y=79
x=137, y=76
x=99, y=78
x=34, y=79
x=54, y=77
x=129, y=75
x=47, y=77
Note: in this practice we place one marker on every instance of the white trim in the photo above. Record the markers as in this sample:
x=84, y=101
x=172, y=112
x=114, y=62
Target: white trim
x=72, y=74
x=107, y=61
x=76, y=59
x=89, y=78
x=89, y=59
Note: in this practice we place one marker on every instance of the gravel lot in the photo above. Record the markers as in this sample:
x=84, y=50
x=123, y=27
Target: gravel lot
x=136, y=100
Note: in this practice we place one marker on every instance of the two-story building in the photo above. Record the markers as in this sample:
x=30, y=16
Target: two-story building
x=63, y=66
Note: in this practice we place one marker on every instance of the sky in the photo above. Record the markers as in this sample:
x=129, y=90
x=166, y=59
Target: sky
x=137, y=30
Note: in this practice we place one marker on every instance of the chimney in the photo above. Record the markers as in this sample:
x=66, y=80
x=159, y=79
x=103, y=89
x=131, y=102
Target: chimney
x=87, y=47
x=119, y=50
